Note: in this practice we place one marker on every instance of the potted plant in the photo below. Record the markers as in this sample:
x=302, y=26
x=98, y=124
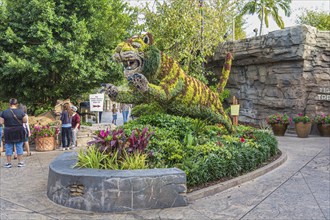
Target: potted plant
x=279, y=123
x=44, y=137
x=323, y=124
x=303, y=125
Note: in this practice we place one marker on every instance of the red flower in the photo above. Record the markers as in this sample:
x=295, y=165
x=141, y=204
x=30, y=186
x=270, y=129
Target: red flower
x=242, y=140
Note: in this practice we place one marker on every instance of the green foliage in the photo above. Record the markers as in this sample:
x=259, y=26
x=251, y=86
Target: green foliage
x=318, y=19
x=92, y=158
x=85, y=123
x=52, y=49
x=147, y=109
x=134, y=161
x=176, y=24
x=3, y=106
x=44, y=131
x=204, y=152
x=301, y=118
x=278, y=119
x=266, y=8
x=322, y=119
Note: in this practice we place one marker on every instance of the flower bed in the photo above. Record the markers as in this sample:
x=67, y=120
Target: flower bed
x=204, y=152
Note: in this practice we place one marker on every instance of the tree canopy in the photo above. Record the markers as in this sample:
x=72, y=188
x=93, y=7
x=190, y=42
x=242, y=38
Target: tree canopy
x=318, y=19
x=57, y=49
x=189, y=30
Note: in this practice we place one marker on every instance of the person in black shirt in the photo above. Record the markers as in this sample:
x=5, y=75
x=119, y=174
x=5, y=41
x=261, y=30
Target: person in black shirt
x=14, y=133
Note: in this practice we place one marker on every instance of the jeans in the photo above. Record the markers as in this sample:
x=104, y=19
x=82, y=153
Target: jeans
x=125, y=116
x=66, y=136
x=0, y=135
x=74, y=137
x=10, y=148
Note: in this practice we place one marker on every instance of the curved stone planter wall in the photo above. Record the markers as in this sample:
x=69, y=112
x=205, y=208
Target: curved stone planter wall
x=114, y=190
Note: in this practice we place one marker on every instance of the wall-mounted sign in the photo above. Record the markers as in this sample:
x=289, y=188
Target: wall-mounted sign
x=325, y=94
x=96, y=102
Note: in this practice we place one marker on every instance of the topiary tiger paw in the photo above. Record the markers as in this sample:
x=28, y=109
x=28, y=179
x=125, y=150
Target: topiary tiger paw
x=111, y=90
x=138, y=81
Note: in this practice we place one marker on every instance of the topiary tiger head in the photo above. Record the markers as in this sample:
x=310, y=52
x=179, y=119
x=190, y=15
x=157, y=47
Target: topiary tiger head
x=139, y=55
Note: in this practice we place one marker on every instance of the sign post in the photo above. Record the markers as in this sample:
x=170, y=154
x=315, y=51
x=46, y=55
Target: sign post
x=96, y=103
x=235, y=111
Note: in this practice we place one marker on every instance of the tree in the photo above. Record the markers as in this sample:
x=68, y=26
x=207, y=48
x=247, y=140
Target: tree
x=265, y=8
x=189, y=30
x=318, y=19
x=57, y=49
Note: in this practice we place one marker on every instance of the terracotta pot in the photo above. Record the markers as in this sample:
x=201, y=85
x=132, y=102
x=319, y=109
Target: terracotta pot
x=324, y=130
x=279, y=129
x=45, y=143
x=303, y=129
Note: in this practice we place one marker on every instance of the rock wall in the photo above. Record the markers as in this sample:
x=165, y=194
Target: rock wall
x=286, y=71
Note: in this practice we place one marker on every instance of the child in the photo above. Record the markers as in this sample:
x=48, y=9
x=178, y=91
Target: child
x=114, y=113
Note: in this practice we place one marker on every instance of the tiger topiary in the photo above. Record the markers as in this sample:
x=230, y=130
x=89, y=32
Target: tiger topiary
x=153, y=75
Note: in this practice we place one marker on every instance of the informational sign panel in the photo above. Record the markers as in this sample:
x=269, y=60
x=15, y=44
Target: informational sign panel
x=96, y=102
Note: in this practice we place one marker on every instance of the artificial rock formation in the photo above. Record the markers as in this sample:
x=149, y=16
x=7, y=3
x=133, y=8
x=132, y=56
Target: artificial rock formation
x=286, y=71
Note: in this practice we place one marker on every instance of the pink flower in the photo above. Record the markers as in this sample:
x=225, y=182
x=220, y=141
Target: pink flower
x=242, y=140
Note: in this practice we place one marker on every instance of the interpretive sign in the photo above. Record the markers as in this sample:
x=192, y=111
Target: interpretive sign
x=96, y=102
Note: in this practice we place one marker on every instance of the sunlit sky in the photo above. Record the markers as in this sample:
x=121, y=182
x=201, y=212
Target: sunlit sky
x=253, y=22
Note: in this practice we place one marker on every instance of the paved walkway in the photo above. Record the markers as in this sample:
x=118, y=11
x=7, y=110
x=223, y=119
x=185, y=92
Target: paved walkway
x=298, y=189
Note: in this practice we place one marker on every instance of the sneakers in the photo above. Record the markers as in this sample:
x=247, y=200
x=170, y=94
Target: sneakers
x=7, y=165
x=73, y=147
x=65, y=148
x=21, y=164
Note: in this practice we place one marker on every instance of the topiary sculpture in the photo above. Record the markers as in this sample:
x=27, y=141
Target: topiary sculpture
x=154, y=76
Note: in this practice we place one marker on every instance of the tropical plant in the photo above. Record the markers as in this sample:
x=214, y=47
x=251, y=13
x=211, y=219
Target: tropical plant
x=265, y=8
x=133, y=161
x=318, y=19
x=322, y=119
x=278, y=119
x=91, y=158
x=301, y=118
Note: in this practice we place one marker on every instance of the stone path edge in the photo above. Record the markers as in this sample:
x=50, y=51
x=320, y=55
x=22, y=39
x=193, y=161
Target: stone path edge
x=211, y=190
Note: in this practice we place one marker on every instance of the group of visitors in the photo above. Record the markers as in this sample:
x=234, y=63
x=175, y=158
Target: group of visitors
x=70, y=125
x=124, y=109
x=17, y=131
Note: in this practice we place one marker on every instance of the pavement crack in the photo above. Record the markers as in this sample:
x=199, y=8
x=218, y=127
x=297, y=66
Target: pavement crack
x=298, y=171
x=30, y=210
x=309, y=188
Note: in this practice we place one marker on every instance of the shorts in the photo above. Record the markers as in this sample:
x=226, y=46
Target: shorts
x=10, y=147
x=114, y=117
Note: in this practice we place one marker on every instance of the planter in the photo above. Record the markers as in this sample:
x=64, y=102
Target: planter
x=303, y=129
x=45, y=143
x=324, y=130
x=279, y=129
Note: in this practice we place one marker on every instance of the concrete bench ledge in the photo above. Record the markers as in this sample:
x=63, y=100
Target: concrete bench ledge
x=114, y=190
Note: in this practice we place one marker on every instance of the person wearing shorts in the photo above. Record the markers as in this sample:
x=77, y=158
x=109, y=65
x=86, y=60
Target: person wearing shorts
x=14, y=132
